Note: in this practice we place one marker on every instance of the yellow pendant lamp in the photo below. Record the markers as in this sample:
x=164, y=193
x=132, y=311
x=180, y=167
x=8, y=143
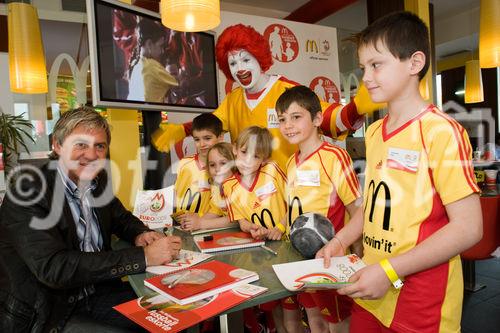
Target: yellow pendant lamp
x=473, y=82
x=190, y=15
x=28, y=74
x=489, y=33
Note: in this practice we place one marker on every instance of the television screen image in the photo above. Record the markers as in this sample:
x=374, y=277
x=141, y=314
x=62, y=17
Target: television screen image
x=138, y=63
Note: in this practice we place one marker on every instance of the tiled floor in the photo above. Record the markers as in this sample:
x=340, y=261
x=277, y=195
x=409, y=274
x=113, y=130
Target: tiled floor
x=481, y=312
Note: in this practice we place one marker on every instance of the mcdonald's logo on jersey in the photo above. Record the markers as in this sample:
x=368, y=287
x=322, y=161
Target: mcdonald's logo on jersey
x=371, y=199
x=311, y=46
x=291, y=206
x=256, y=219
x=189, y=199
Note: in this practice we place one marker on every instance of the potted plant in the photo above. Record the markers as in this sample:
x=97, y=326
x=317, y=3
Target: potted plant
x=14, y=131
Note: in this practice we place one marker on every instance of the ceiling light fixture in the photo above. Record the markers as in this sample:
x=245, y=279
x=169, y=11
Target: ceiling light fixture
x=27, y=70
x=489, y=33
x=190, y=15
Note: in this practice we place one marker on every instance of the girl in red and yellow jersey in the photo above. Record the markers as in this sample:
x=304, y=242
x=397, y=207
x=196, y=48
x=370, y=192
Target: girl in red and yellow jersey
x=256, y=194
x=255, y=198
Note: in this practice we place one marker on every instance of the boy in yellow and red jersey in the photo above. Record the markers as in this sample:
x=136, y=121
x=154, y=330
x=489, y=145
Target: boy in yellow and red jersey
x=321, y=179
x=420, y=206
x=192, y=188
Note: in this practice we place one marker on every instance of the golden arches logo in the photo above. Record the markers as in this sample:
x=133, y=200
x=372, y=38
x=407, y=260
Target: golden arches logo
x=374, y=190
x=311, y=46
x=261, y=219
x=188, y=200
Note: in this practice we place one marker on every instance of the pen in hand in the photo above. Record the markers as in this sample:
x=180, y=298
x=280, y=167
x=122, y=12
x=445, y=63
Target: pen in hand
x=177, y=280
x=268, y=249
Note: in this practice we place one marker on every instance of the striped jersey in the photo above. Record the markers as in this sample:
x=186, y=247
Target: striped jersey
x=192, y=189
x=324, y=183
x=262, y=203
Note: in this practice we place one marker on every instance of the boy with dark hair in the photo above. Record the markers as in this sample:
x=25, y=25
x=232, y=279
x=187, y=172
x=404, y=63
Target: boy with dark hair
x=321, y=179
x=192, y=188
x=209, y=122
x=421, y=207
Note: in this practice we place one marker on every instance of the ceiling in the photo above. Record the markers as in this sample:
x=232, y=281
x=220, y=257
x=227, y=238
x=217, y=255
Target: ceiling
x=456, y=21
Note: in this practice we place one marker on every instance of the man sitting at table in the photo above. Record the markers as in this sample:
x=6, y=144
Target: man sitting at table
x=57, y=269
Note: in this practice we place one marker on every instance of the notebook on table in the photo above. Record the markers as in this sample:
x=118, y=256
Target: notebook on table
x=311, y=274
x=224, y=241
x=157, y=313
x=200, y=281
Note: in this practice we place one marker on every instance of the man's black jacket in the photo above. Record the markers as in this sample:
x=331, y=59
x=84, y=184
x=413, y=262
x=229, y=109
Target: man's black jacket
x=42, y=271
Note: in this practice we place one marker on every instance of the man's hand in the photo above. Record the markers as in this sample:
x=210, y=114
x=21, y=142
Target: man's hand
x=167, y=135
x=147, y=238
x=190, y=221
x=331, y=249
x=162, y=251
x=370, y=282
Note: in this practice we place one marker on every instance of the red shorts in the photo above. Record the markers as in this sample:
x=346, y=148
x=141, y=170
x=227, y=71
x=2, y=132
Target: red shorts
x=287, y=303
x=333, y=307
x=363, y=321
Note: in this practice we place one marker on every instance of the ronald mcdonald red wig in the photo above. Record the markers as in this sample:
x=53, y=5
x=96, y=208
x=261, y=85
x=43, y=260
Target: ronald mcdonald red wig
x=238, y=37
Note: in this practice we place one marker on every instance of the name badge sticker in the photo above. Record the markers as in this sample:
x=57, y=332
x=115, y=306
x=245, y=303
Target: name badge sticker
x=403, y=159
x=308, y=178
x=272, y=119
x=203, y=185
x=265, y=191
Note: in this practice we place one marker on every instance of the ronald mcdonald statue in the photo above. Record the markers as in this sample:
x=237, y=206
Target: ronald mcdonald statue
x=244, y=56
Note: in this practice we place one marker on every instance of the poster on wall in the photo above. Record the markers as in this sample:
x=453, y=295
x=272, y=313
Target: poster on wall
x=305, y=53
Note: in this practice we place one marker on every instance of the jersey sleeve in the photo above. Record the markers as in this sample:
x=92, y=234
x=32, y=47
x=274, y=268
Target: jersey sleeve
x=222, y=112
x=233, y=211
x=344, y=178
x=450, y=160
x=213, y=206
x=279, y=177
x=338, y=120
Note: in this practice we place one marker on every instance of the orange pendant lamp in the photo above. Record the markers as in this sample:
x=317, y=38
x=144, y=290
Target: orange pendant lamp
x=27, y=70
x=473, y=82
x=190, y=15
x=489, y=33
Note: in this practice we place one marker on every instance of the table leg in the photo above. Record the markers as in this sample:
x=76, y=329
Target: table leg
x=232, y=322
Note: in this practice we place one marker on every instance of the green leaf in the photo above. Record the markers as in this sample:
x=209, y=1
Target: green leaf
x=14, y=134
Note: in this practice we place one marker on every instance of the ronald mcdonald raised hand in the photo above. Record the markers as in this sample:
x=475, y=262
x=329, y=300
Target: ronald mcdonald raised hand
x=244, y=56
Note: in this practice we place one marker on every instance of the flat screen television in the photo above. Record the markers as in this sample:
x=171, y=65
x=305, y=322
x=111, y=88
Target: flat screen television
x=138, y=63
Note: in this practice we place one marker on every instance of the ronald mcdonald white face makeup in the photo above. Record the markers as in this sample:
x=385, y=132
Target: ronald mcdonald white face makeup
x=246, y=70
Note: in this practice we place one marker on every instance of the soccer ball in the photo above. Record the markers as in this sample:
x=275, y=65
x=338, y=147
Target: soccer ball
x=310, y=232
